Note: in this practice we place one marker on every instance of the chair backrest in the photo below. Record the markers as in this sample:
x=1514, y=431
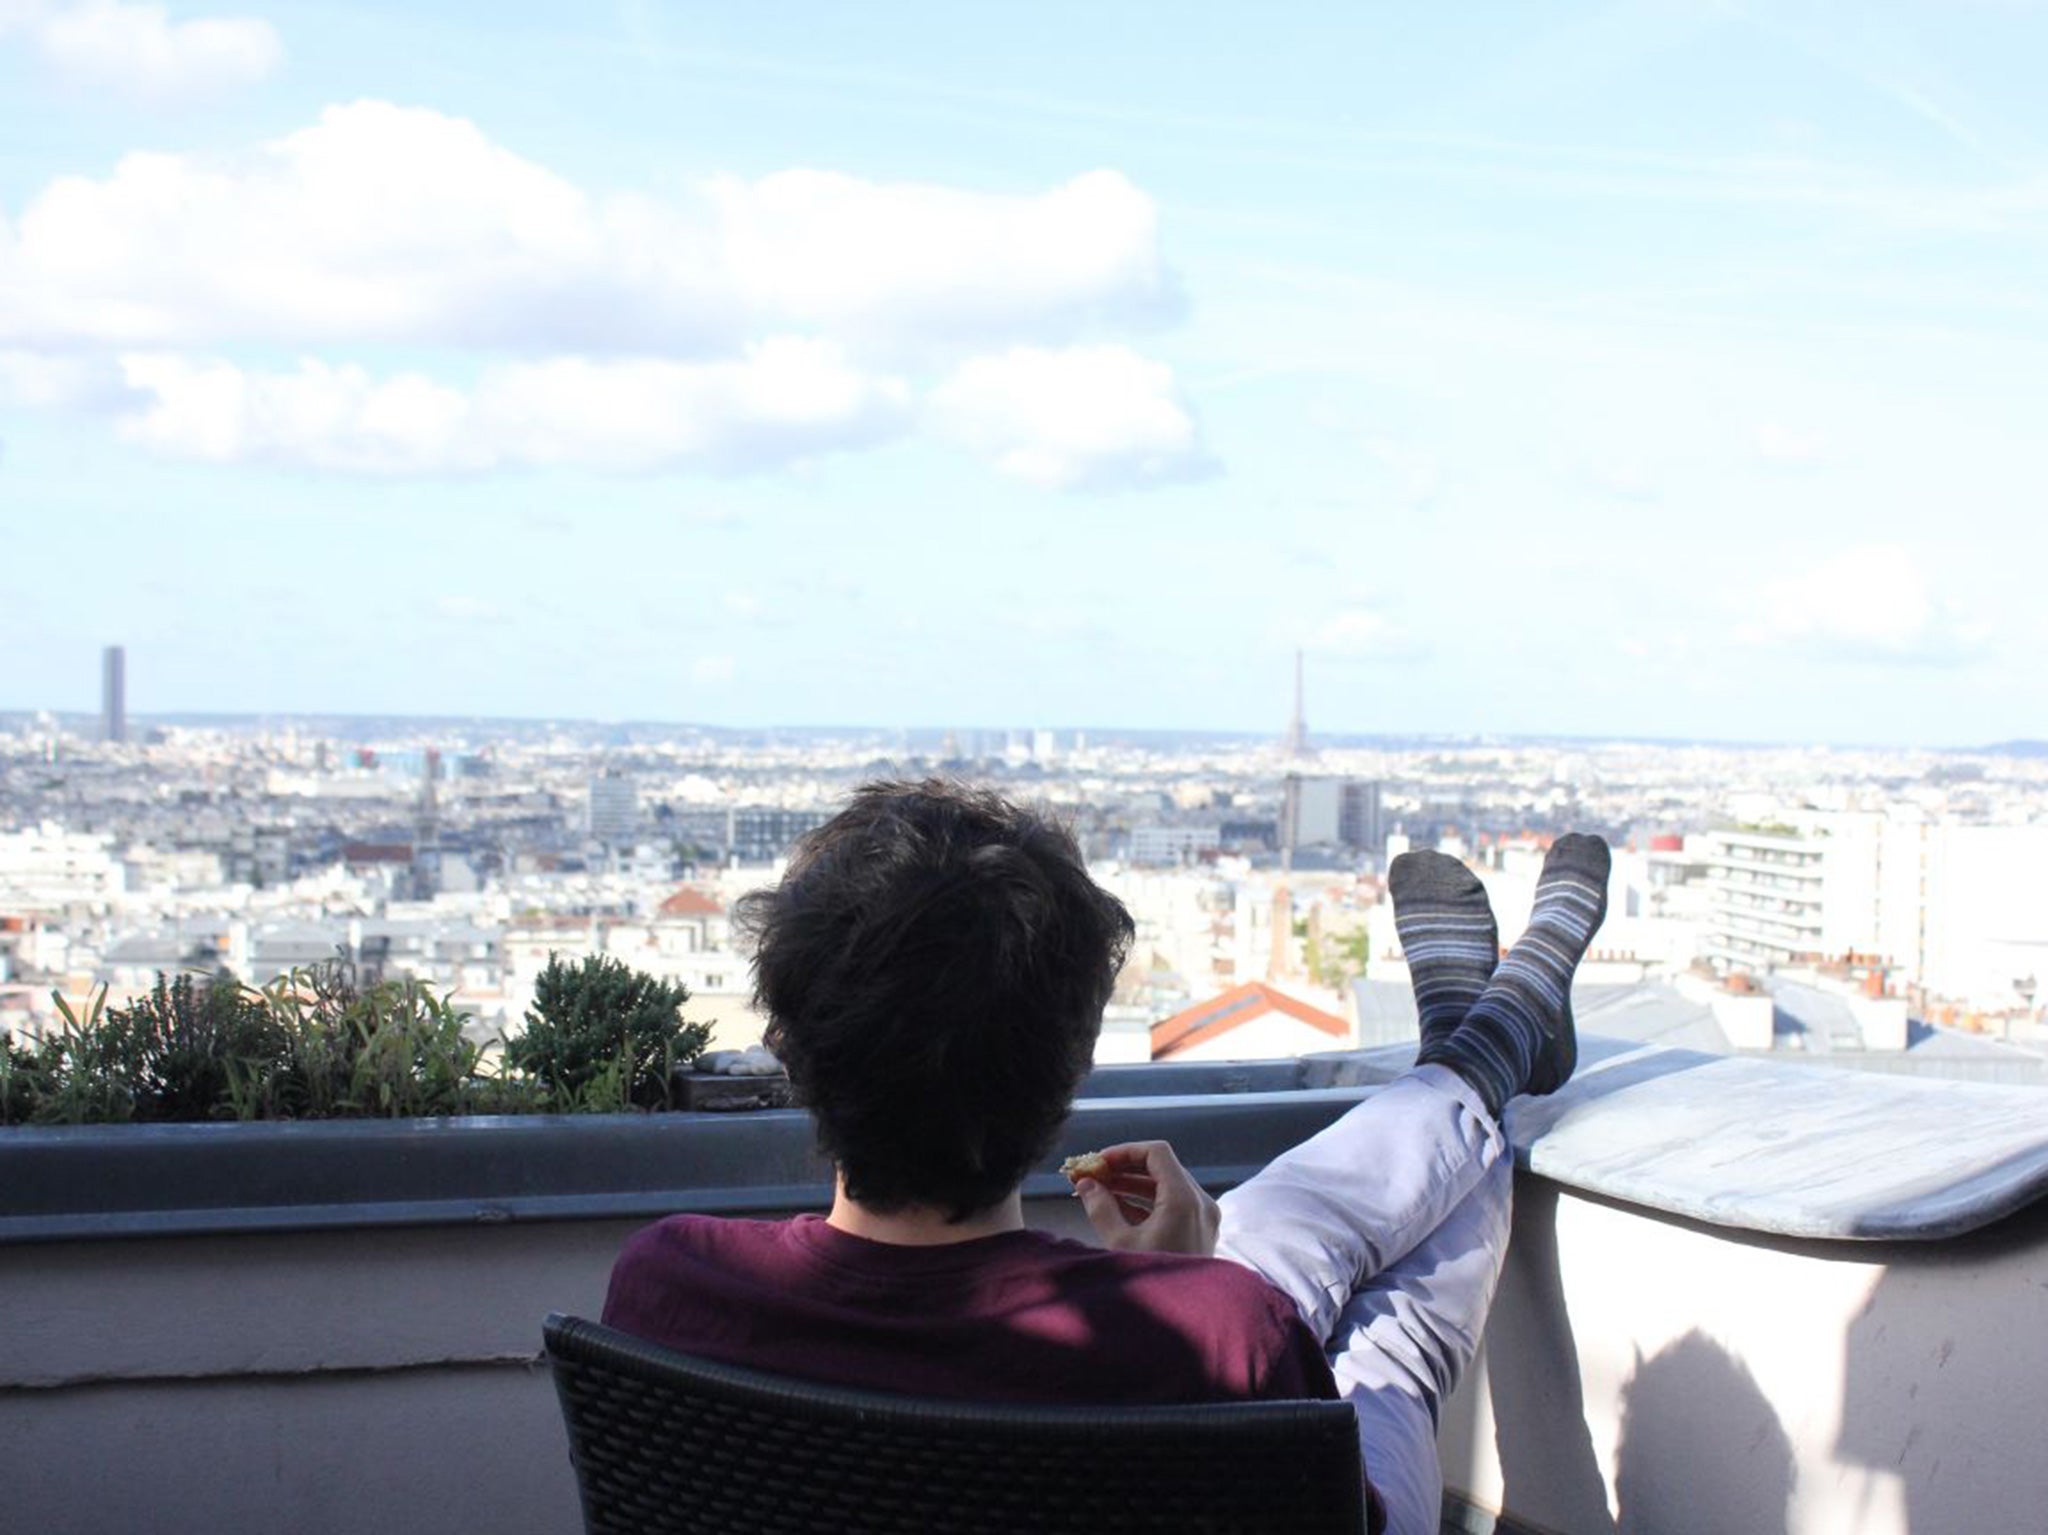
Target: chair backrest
x=664, y=1442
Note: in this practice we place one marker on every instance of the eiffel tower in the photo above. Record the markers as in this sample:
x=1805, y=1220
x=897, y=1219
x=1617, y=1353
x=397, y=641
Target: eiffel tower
x=1296, y=742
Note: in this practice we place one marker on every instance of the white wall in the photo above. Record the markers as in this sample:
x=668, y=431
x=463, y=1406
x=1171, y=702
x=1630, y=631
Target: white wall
x=1642, y=1374
x=1988, y=910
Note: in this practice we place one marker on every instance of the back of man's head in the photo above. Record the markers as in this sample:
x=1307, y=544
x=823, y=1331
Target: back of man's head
x=934, y=967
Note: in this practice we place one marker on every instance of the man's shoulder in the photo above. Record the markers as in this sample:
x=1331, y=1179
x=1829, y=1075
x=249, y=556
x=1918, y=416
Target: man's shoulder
x=676, y=1237
x=1209, y=1295
x=1161, y=1268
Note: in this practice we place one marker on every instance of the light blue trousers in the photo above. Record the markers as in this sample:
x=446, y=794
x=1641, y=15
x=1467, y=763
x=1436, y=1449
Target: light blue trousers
x=1387, y=1231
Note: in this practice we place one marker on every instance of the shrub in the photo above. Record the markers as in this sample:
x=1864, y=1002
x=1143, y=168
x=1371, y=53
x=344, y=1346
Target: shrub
x=392, y=1050
x=319, y=1044
x=605, y=1037
x=179, y=1048
x=21, y=1082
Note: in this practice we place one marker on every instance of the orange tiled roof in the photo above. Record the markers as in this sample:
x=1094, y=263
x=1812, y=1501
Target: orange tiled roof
x=688, y=902
x=1205, y=1021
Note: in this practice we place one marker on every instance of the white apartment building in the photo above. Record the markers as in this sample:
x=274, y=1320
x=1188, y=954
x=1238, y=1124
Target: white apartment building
x=1211, y=929
x=46, y=867
x=1155, y=847
x=1655, y=913
x=1818, y=885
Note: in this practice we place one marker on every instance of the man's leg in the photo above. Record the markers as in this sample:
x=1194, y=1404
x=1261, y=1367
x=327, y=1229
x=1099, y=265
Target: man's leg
x=1323, y=1218
x=1405, y=1340
x=1388, y=1229
x=1327, y=1216
x=1395, y=1270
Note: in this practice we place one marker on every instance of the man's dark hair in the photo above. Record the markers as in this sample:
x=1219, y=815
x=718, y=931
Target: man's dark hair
x=934, y=967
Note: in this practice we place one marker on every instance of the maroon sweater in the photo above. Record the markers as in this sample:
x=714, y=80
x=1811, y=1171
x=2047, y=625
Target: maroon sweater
x=1017, y=1317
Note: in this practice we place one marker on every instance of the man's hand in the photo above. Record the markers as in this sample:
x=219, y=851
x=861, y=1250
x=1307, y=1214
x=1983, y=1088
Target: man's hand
x=1150, y=1203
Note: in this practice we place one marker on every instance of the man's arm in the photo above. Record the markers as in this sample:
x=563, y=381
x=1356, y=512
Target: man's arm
x=1149, y=1202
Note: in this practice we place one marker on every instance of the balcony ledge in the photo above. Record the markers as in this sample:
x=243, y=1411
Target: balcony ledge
x=1735, y=1142
x=1738, y=1295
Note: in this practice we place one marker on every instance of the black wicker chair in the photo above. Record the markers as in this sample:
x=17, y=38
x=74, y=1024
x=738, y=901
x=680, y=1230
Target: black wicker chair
x=665, y=1442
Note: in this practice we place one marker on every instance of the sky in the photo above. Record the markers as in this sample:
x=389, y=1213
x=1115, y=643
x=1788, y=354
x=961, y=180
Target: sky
x=1658, y=369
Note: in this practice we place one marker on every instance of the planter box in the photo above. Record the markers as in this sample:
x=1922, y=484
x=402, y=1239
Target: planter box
x=108, y=1181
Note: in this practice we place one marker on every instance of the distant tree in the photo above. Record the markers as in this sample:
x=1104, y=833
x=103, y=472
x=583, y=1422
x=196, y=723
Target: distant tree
x=601, y=1034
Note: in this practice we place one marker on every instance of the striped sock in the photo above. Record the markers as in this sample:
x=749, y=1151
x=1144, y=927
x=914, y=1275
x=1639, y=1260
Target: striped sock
x=1518, y=1037
x=1447, y=932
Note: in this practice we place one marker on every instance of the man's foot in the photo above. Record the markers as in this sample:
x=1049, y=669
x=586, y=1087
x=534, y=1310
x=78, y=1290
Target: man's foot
x=1518, y=1037
x=1448, y=933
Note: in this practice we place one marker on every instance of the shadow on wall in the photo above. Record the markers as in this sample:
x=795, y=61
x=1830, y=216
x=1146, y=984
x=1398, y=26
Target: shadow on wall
x=1946, y=1401
x=1549, y=1473
x=1701, y=1450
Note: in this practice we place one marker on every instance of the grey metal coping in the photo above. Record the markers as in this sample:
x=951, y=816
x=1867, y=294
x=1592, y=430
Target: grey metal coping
x=116, y=1181
x=1740, y=1143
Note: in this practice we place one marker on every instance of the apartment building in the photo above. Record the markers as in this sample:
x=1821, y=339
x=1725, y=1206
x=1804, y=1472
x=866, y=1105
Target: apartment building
x=1819, y=884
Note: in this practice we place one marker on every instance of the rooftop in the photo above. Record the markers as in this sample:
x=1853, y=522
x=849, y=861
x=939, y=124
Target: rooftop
x=1208, y=1022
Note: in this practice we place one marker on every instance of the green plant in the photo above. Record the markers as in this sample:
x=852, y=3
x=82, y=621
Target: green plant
x=87, y=1069
x=320, y=1044
x=21, y=1082
x=180, y=1045
x=604, y=1037
x=389, y=1050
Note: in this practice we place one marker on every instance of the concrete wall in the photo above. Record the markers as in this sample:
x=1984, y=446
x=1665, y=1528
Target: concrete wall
x=311, y=1383
x=1641, y=1372
x=1648, y=1374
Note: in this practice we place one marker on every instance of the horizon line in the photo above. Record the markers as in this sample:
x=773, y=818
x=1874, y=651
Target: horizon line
x=1276, y=738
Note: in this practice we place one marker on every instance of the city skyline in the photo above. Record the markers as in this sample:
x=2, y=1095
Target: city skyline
x=1648, y=372
x=387, y=725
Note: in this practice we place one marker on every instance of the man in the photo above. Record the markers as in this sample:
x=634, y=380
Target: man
x=934, y=967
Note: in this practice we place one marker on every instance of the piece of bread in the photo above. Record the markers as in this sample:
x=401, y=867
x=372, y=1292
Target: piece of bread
x=1088, y=1164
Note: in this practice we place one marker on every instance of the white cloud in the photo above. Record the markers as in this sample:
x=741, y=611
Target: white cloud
x=1084, y=417
x=1415, y=475
x=1621, y=478
x=388, y=224
x=377, y=224
x=42, y=381
x=139, y=51
x=323, y=416
x=466, y=609
x=1869, y=603
x=1784, y=445
x=711, y=671
x=1361, y=633
x=836, y=250
x=785, y=399
x=734, y=325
